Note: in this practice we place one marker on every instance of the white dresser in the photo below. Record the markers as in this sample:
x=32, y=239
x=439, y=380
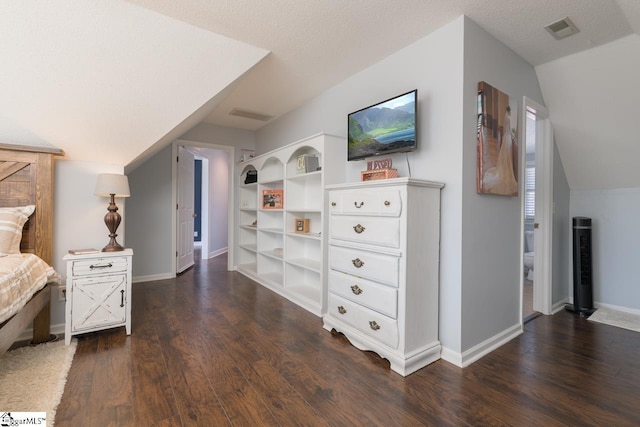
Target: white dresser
x=98, y=292
x=384, y=243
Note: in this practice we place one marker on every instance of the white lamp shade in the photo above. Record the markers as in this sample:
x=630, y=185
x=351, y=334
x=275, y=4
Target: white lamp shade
x=111, y=183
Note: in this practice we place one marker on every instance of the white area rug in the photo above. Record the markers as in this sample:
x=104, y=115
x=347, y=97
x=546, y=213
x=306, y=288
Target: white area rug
x=32, y=379
x=616, y=318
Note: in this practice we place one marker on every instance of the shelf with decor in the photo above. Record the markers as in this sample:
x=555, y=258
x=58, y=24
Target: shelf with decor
x=288, y=202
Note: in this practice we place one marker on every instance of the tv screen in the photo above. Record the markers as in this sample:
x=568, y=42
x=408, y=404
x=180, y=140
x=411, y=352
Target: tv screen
x=384, y=128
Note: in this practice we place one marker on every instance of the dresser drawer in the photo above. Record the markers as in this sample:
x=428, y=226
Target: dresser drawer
x=343, y=309
x=377, y=231
x=99, y=266
x=370, y=265
x=366, y=202
x=378, y=326
x=381, y=298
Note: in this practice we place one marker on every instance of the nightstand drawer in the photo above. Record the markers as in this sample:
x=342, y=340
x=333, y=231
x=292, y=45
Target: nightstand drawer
x=381, y=298
x=376, y=231
x=99, y=266
x=366, y=202
x=381, y=268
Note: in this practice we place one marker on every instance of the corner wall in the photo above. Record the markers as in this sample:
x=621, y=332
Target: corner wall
x=490, y=224
x=149, y=218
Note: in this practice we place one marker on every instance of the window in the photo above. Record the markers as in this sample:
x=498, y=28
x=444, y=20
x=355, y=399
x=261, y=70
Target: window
x=530, y=192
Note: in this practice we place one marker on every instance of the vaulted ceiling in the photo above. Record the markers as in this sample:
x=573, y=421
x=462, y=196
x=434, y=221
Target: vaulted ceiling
x=109, y=79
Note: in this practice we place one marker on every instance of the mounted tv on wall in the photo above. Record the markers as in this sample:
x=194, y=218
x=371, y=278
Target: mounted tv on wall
x=383, y=128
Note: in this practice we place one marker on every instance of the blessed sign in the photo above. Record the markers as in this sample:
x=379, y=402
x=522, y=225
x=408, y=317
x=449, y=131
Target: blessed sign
x=379, y=164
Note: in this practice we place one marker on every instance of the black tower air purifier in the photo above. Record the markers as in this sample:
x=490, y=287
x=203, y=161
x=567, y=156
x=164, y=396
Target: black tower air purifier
x=582, y=267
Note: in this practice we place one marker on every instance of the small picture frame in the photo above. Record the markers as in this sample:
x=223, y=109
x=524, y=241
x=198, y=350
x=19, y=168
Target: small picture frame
x=301, y=225
x=272, y=199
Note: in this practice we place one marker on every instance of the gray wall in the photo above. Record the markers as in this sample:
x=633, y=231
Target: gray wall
x=480, y=235
x=434, y=66
x=615, y=238
x=149, y=226
x=561, y=247
x=149, y=216
x=491, y=236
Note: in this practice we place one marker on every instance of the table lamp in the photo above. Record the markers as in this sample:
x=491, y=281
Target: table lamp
x=112, y=185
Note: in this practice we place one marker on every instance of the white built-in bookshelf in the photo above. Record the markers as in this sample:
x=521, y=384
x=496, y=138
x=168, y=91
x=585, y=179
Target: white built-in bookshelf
x=268, y=248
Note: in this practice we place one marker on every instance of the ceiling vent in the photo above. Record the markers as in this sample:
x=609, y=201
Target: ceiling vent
x=250, y=115
x=562, y=28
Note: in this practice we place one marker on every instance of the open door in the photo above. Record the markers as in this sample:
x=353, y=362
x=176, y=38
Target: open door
x=185, y=210
x=543, y=222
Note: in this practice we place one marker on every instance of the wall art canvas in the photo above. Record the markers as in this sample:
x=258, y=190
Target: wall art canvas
x=497, y=170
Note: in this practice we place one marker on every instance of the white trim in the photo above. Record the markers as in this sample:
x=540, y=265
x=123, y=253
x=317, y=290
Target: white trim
x=218, y=252
x=230, y=191
x=487, y=346
x=152, y=277
x=559, y=306
x=451, y=356
x=480, y=350
x=543, y=260
x=617, y=308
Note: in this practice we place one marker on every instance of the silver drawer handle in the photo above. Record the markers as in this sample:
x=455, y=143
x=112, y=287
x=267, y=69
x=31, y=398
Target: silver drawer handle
x=373, y=325
x=341, y=310
x=357, y=262
x=358, y=228
x=356, y=289
x=97, y=266
x=387, y=203
x=358, y=206
x=121, y=298
x=333, y=203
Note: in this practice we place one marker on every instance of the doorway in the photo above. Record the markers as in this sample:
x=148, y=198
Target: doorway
x=217, y=184
x=537, y=212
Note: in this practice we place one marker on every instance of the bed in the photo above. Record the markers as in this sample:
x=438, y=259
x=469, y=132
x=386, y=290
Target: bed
x=26, y=179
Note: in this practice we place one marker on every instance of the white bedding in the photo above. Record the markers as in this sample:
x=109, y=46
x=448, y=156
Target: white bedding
x=21, y=276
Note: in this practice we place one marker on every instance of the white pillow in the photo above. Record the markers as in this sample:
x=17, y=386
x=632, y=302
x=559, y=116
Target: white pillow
x=12, y=221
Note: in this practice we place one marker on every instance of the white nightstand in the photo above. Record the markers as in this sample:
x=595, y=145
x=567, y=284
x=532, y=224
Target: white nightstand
x=98, y=292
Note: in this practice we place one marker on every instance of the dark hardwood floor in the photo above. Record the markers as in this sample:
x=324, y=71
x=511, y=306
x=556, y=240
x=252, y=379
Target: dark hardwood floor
x=212, y=348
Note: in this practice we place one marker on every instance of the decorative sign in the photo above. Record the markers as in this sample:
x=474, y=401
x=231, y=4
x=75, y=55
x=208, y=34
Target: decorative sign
x=379, y=164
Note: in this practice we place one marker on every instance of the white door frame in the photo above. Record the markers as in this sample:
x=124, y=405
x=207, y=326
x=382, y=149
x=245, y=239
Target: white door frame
x=231, y=198
x=543, y=236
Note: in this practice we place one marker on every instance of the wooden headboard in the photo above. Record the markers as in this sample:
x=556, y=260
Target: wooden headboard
x=26, y=178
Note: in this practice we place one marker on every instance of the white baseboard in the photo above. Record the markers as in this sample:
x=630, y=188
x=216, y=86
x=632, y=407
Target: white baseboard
x=559, y=306
x=598, y=304
x=478, y=351
x=152, y=277
x=451, y=356
x=217, y=253
x=617, y=308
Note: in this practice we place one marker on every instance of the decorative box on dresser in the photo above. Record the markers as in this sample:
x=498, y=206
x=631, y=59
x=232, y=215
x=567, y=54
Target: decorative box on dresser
x=98, y=292
x=384, y=245
x=270, y=246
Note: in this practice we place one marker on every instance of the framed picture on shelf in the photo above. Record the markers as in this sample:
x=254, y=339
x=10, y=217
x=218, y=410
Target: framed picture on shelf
x=302, y=225
x=272, y=199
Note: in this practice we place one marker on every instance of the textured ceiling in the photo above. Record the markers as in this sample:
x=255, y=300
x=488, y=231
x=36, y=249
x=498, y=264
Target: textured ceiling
x=318, y=43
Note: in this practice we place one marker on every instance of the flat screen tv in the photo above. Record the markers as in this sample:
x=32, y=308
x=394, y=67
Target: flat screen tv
x=383, y=128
